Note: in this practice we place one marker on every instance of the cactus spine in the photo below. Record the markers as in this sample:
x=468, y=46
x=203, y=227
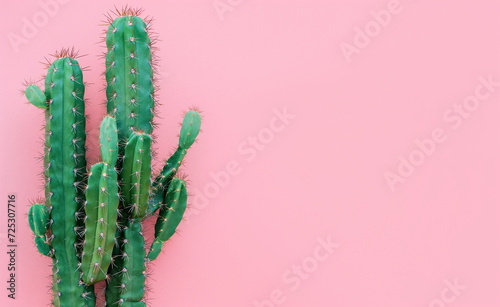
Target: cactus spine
x=92, y=228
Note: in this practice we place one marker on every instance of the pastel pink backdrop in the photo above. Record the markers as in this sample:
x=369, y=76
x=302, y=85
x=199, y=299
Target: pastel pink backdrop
x=320, y=175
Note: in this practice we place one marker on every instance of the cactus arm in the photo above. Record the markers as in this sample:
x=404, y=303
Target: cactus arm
x=101, y=215
x=101, y=207
x=38, y=219
x=189, y=131
x=169, y=216
x=136, y=174
x=43, y=247
x=36, y=96
x=162, y=181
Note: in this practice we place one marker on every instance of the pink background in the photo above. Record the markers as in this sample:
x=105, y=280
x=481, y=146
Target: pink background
x=320, y=175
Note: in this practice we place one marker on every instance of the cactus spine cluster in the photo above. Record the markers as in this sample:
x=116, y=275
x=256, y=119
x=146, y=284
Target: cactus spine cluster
x=90, y=223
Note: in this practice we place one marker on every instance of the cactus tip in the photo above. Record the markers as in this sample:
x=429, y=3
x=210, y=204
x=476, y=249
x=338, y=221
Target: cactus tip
x=66, y=53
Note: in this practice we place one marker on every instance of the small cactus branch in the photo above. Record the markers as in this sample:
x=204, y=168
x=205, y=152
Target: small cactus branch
x=39, y=218
x=43, y=247
x=170, y=215
x=36, y=96
x=101, y=207
x=189, y=131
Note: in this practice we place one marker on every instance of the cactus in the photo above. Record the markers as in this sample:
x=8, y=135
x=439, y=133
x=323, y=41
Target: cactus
x=64, y=171
x=90, y=223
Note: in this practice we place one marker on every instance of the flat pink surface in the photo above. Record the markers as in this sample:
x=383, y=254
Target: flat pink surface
x=325, y=121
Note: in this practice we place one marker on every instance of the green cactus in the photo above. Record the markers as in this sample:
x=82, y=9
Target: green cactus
x=64, y=171
x=105, y=211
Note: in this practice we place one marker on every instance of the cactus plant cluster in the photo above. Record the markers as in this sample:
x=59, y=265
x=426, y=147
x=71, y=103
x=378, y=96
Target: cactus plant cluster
x=90, y=222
